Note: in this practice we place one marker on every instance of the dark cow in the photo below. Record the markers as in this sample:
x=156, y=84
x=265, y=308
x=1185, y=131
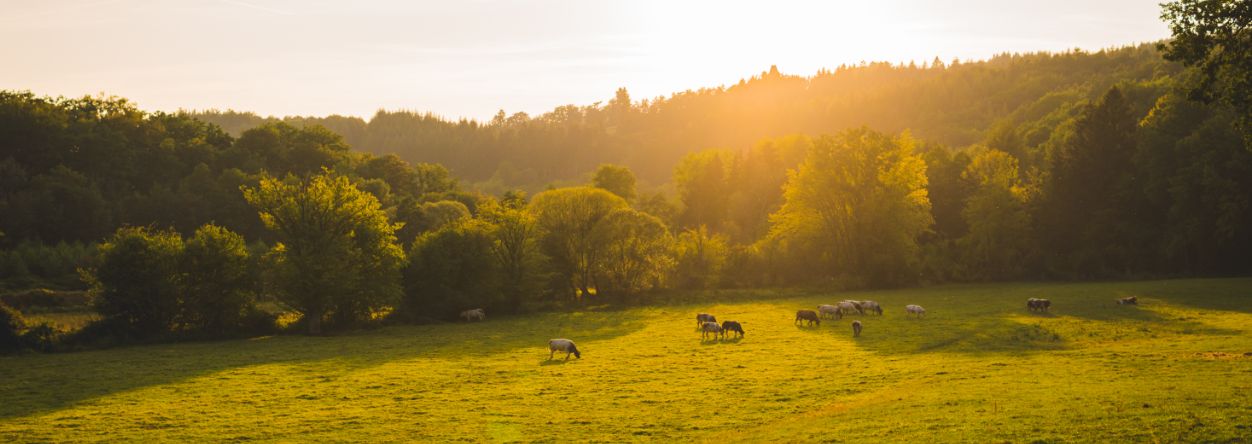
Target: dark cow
x=1128, y=300
x=1038, y=305
x=856, y=329
x=704, y=317
x=808, y=315
x=729, y=326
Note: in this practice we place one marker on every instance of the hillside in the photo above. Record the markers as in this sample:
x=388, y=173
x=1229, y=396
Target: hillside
x=977, y=368
x=955, y=104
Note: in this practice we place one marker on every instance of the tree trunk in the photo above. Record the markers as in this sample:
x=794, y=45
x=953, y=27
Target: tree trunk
x=314, y=322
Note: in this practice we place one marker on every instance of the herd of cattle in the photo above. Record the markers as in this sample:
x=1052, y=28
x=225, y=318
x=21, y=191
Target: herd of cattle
x=708, y=326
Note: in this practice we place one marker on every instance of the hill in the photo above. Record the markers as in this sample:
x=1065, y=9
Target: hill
x=977, y=368
x=955, y=104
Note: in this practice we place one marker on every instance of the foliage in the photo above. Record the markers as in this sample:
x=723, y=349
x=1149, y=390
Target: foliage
x=997, y=245
x=699, y=258
x=1213, y=36
x=135, y=282
x=616, y=179
x=217, y=280
x=38, y=265
x=703, y=186
x=635, y=255
x=516, y=249
x=568, y=219
x=452, y=269
x=951, y=104
x=857, y=206
x=336, y=254
x=1087, y=208
x=12, y=325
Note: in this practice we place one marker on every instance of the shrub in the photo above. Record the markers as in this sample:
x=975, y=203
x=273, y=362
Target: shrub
x=135, y=282
x=217, y=280
x=452, y=269
x=11, y=326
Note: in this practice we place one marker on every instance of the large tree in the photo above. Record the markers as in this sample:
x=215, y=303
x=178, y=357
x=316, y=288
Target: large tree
x=568, y=218
x=1088, y=205
x=856, y=206
x=217, y=280
x=135, y=283
x=336, y=254
x=636, y=252
x=616, y=179
x=451, y=269
x=1215, y=37
x=997, y=245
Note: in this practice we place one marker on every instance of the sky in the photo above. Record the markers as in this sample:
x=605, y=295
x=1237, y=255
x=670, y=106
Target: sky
x=470, y=58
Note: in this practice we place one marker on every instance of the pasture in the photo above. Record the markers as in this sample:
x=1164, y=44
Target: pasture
x=977, y=368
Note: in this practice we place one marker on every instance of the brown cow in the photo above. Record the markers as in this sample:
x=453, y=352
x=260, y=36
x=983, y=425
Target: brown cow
x=808, y=315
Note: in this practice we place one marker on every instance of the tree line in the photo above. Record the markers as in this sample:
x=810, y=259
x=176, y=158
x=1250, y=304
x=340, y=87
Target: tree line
x=949, y=102
x=1146, y=178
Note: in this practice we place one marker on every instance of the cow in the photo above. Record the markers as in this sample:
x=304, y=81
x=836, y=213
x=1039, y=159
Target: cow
x=710, y=327
x=808, y=315
x=729, y=326
x=915, y=310
x=565, y=345
x=846, y=307
x=856, y=329
x=831, y=311
x=476, y=314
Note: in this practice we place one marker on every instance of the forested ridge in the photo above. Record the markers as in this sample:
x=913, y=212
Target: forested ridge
x=1041, y=166
x=948, y=102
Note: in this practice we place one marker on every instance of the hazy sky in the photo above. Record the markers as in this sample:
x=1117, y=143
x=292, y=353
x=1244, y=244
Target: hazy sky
x=470, y=58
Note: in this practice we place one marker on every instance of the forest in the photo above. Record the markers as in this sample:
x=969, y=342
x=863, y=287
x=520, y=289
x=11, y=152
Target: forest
x=1128, y=162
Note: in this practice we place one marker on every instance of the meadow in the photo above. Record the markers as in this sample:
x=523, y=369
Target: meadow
x=978, y=368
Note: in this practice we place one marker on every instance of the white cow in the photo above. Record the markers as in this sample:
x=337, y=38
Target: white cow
x=829, y=310
x=710, y=327
x=868, y=306
x=564, y=345
x=846, y=307
x=476, y=314
x=915, y=310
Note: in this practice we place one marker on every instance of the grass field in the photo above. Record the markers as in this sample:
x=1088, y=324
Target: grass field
x=979, y=368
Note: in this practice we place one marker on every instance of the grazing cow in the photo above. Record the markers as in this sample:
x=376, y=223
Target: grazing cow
x=710, y=327
x=808, y=315
x=476, y=314
x=846, y=307
x=564, y=345
x=704, y=317
x=730, y=326
x=1128, y=300
x=1038, y=305
x=873, y=306
x=856, y=329
x=915, y=310
x=830, y=311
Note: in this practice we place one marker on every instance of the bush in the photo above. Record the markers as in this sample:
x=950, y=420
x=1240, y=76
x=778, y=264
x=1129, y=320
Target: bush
x=450, y=270
x=135, y=282
x=41, y=337
x=11, y=326
x=217, y=281
x=701, y=257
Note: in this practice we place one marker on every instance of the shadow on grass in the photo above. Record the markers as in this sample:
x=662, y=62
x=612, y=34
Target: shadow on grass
x=557, y=361
x=41, y=383
x=994, y=335
x=720, y=341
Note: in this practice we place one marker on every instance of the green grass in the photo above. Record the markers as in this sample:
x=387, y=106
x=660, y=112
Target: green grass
x=978, y=369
